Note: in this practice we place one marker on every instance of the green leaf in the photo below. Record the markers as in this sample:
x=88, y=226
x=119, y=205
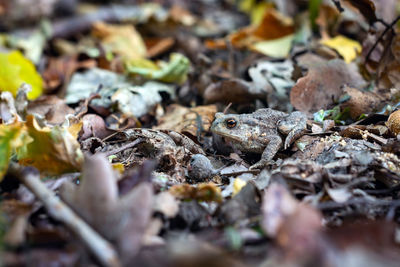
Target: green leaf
x=320, y=116
x=11, y=136
x=313, y=9
x=174, y=71
x=15, y=70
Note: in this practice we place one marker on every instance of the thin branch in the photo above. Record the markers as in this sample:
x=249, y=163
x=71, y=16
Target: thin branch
x=330, y=205
x=122, y=148
x=380, y=38
x=100, y=248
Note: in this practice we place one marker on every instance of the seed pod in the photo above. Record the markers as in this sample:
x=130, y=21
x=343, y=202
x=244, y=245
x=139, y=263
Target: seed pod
x=393, y=122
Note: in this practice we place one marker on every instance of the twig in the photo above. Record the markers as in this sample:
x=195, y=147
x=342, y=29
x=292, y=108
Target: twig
x=227, y=107
x=240, y=173
x=122, y=148
x=100, y=248
x=389, y=27
x=330, y=205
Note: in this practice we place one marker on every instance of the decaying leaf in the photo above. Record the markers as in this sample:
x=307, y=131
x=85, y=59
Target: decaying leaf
x=202, y=192
x=233, y=90
x=272, y=36
x=296, y=226
x=323, y=85
x=192, y=121
x=51, y=150
x=138, y=100
x=361, y=102
x=122, y=220
x=133, y=100
x=16, y=70
x=51, y=107
x=122, y=40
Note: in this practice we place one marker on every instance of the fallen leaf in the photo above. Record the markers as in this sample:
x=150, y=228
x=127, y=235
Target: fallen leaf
x=366, y=8
x=174, y=71
x=122, y=40
x=122, y=220
x=11, y=137
x=157, y=46
x=323, y=85
x=274, y=25
x=139, y=100
x=51, y=107
x=189, y=121
x=51, y=150
x=362, y=102
x=273, y=36
x=201, y=192
x=278, y=48
x=88, y=82
x=8, y=110
x=16, y=70
x=233, y=90
x=297, y=227
x=347, y=48
x=238, y=184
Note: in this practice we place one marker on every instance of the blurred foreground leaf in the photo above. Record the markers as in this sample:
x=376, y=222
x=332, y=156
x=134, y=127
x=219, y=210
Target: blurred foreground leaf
x=52, y=150
x=16, y=69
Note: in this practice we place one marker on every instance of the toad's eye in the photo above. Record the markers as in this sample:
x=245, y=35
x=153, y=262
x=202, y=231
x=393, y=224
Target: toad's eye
x=230, y=123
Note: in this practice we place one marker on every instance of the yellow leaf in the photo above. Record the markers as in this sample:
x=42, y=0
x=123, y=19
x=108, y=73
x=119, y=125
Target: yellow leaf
x=346, y=47
x=10, y=138
x=255, y=9
x=238, y=184
x=51, y=150
x=119, y=167
x=74, y=129
x=122, y=40
x=278, y=48
x=16, y=69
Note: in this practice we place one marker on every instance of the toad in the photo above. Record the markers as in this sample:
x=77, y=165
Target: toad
x=260, y=132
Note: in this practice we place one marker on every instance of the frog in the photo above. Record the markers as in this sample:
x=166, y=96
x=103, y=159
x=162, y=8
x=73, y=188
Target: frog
x=265, y=131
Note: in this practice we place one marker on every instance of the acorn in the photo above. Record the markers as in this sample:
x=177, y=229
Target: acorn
x=393, y=122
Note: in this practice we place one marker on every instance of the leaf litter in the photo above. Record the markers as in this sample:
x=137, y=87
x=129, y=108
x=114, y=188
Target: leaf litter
x=107, y=150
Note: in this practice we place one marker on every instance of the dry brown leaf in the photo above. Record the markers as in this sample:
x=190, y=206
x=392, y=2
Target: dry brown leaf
x=273, y=26
x=189, y=121
x=157, y=46
x=201, y=192
x=59, y=71
x=232, y=90
x=296, y=226
x=52, y=108
x=322, y=85
x=121, y=220
x=123, y=40
x=361, y=102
